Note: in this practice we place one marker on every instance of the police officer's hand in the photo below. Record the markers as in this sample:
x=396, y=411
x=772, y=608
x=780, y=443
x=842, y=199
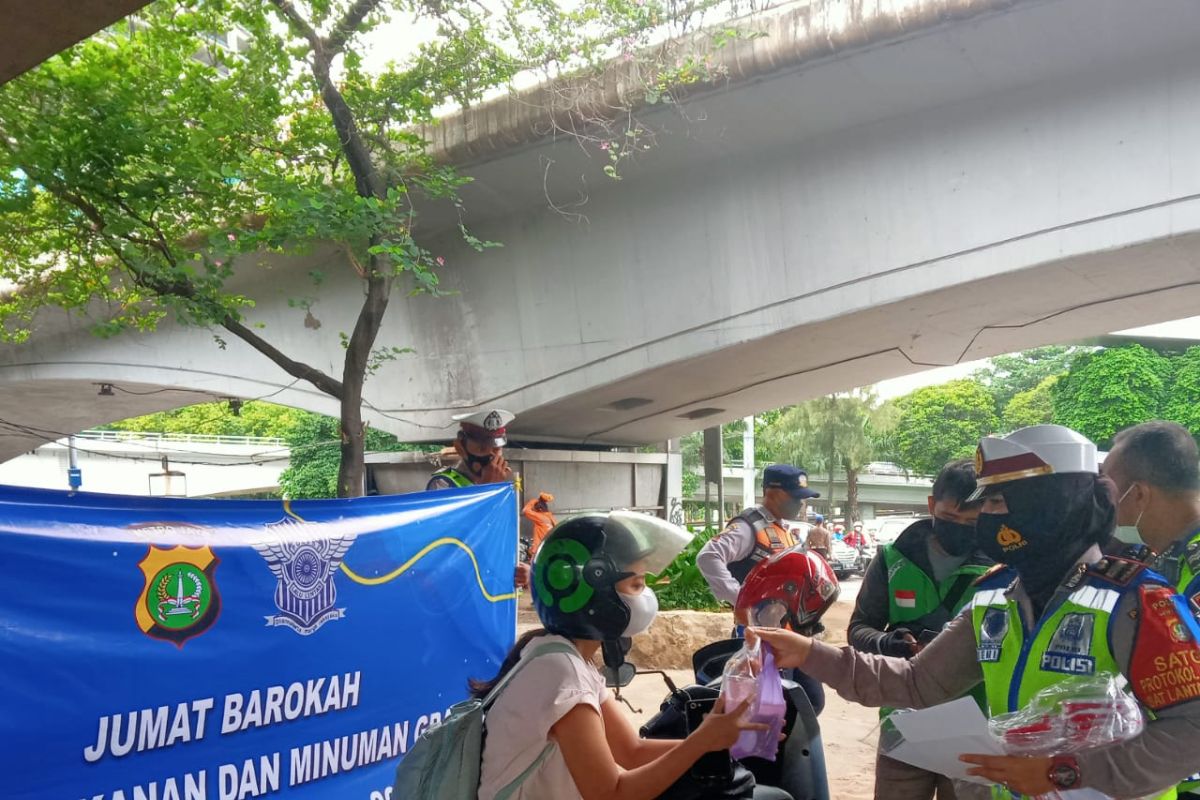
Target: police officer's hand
x=521, y=576
x=791, y=649
x=1023, y=774
x=720, y=729
x=899, y=644
x=496, y=471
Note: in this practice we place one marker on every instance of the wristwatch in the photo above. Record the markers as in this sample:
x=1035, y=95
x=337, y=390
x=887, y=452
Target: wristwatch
x=1064, y=772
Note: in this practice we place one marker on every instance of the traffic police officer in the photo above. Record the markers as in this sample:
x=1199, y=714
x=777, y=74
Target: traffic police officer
x=1156, y=468
x=479, y=444
x=1058, y=609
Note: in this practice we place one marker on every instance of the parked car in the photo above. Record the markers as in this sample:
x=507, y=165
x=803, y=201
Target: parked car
x=888, y=530
x=845, y=560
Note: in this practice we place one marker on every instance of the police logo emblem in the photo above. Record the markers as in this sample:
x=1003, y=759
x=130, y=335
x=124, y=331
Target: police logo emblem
x=179, y=599
x=992, y=631
x=493, y=421
x=305, y=592
x=1071, y=646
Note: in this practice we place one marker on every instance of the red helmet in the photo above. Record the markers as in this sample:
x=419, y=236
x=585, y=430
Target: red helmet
x=790, y=589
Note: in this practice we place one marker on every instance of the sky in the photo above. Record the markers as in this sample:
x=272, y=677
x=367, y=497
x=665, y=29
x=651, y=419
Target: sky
x=1179, y=329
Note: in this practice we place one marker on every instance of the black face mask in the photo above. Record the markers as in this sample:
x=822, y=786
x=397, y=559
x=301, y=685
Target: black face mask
x=1051, y=521
x=956, y=538
x=477, y=463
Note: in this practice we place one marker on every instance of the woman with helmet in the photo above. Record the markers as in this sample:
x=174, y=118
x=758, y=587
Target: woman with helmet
x=1057, y=608
x=555, y=732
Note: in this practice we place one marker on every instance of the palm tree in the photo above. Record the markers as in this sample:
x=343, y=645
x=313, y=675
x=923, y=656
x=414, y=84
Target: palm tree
x=828, y=433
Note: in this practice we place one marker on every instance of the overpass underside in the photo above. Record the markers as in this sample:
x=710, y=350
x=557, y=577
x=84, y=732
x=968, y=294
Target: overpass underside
x=1007, y=175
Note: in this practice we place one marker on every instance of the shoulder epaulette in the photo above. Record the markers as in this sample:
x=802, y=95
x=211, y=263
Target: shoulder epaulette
x=1191, y=554
x=1115, y=569
x=996, y=574
x=1137, y=552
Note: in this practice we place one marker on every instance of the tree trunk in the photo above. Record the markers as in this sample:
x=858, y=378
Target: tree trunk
x=851, y=494
x=830, y=461
x=352, y=470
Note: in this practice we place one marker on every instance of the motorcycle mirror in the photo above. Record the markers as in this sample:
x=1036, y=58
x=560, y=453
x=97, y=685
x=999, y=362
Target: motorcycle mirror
x=621, y=676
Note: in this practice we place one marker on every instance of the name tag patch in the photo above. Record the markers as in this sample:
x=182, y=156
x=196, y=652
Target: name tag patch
x=992, y=631
x=1071, y=646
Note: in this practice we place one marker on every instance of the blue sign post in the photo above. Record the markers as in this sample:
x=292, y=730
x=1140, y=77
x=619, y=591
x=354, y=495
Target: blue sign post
x=222, y=650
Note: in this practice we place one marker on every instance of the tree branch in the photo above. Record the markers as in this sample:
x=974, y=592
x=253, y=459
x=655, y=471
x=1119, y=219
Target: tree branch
x=367, y=180
x=348, y=25
x=296, y=369
x=298, y=23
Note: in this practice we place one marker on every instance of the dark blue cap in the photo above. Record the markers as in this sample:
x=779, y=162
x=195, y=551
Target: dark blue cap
x=791, y=479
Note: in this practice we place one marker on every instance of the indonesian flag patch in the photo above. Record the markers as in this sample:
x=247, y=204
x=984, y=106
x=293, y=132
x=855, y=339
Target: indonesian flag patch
x=905, y=598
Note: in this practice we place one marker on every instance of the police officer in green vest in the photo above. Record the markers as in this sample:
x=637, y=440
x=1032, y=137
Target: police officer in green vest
x=911, y=590
x=1156, y=468
x=480, y=447
x=1058, y=609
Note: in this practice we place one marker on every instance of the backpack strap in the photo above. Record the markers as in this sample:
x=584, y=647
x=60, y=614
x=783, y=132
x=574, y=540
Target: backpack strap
x=545, y=648
x=541, y=649
x=516, y=782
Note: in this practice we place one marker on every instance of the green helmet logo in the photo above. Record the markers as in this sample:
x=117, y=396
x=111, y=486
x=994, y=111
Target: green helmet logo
x=558, y=575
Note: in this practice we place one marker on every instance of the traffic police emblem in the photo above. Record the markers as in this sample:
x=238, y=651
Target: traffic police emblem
x=1071, y=646
x=992, y=631
x=305, y=592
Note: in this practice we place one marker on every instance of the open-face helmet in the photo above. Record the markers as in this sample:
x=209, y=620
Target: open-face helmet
x=583, y=558
x=790, y=589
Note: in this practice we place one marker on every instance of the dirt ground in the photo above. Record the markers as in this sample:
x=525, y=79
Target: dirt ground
x=848, y=730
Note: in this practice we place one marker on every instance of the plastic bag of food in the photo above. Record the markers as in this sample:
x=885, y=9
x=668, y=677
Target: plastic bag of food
x=751, y=673
x=1075, y=714
x=1069, y=717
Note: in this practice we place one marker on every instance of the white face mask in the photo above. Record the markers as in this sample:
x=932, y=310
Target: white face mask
x=643, y=607
x=1123, y=530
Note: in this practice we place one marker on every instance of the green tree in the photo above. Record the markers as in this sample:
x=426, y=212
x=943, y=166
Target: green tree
x=1008, y=375
x=1112, y=389
x=143, y=167
x=1031, y=407
x=256, y=418
x=1183, y=399
x=827, y=434
x=316, y=455
x=941, y=423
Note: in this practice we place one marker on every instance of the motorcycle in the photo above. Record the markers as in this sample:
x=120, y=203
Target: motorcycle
x=798, y=771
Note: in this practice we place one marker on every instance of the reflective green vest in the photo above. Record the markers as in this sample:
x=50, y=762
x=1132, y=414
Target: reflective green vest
x=916, y=600
x=1072, y=640
x=454, y=476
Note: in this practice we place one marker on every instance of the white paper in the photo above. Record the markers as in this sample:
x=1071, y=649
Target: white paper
x=935, y=737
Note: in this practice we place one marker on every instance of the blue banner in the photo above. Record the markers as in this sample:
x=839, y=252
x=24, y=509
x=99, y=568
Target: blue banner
x=156, y=649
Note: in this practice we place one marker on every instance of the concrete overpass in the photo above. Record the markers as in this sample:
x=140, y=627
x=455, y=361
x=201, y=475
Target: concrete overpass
x=129, y=462
x=32, y=32
x=875, y=188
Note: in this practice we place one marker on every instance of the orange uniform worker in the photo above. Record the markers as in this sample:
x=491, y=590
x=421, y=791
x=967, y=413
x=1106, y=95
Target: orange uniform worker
x=538, y=512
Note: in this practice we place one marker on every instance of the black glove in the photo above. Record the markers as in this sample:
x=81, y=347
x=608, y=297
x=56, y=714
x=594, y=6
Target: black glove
x=898, y=643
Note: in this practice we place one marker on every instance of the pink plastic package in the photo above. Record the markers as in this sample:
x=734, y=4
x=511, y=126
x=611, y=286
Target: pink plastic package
x=751, y=673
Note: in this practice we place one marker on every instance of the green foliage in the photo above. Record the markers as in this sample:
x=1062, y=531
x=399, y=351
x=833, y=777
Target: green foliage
x=681, y=585
x=941, y=423
x=255, y=418
x=316, y=454
x=1183, y=398
x=1110, y=390
x=1008, y=375
x=314, y=439
x=1031, y=407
